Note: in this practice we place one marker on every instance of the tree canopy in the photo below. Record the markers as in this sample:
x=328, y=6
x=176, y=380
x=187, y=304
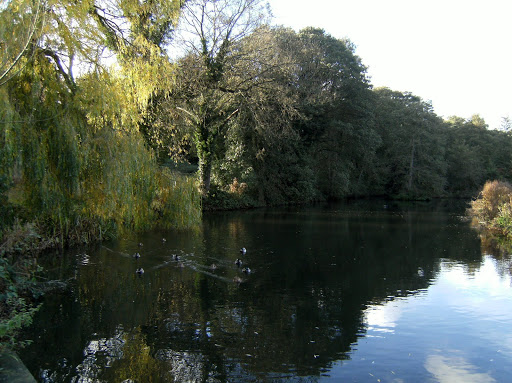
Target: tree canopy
x=72, y=153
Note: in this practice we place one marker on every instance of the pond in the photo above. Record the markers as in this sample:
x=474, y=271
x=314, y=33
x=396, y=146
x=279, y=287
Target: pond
x=362, y=291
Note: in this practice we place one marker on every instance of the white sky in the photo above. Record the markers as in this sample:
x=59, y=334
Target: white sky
x=455, y=53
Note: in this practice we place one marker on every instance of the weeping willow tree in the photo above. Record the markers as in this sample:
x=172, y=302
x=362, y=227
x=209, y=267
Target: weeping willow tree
x=72, y=157
x=73, y=165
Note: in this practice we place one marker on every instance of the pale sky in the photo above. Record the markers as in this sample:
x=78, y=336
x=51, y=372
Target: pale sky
x=455, y=53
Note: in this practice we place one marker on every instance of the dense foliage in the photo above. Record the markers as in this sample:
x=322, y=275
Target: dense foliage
x=311, y=127
x=493, y=207
x=73, y=159
x=291, y=117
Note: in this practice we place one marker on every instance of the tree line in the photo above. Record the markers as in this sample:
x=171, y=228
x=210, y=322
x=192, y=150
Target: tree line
x=102, y=101
x=273, y=116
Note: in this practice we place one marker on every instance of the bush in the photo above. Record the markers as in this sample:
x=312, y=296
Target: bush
x=18, y=292
x=490, y=202
x=236, y=198
x=503, y=222
x=493, y=208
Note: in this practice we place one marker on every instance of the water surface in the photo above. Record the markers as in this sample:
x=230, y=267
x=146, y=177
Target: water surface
x=355, y=292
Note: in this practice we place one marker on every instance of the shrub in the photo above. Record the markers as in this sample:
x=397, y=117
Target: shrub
x=236, y=198
x=503, y=222
x=17, y=294
x=492, y=198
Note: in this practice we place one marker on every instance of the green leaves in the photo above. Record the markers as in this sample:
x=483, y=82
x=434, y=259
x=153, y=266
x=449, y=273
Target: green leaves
x=412, y=153
x=15, y=311
x=21, y=22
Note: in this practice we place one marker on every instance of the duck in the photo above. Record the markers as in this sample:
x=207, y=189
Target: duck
x=141, y=244
x=139, y=271
x=246, y=270
x=164, y=240
x=176, y=257
x=213, y=266
x=136, y=255
x=237, y=279
x=243, y=250
x=238, y=262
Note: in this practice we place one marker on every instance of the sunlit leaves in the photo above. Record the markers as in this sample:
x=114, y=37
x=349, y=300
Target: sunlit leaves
x=123, y=183
x=21, y=22
x=73, y=142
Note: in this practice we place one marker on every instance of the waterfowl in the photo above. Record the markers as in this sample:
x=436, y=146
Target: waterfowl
x=176, y=257
x=140, y=271
x=238, y=262
x=164, y=240
x=243, y=250
x=237, y=279
x=136, y=255
x=246, y=270
x=141, y=244
x=213, y=266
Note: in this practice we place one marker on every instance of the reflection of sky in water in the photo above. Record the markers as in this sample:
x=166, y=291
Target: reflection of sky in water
x=458, y=330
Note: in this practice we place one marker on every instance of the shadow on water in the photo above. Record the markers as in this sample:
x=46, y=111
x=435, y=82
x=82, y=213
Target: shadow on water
x=194, y=315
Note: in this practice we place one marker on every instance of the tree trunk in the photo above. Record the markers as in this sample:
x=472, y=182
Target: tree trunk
x=411, y=167
x=205, y=172
x=204, y=144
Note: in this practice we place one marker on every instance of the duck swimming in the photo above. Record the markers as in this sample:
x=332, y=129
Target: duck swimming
x=238, y=262
x=246, y=270
x=140, y=271
x=243, y=250
x=136, y=255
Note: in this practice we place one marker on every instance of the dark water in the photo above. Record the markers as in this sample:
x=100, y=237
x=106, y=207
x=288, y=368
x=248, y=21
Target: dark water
x=355, y=292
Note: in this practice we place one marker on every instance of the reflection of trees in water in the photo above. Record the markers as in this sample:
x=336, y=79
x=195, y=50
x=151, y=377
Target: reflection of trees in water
x=299, y=312
x=501, y=251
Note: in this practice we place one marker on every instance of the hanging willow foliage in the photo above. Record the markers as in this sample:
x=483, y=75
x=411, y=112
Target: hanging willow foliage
x=81, y=171
x=123, y=183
